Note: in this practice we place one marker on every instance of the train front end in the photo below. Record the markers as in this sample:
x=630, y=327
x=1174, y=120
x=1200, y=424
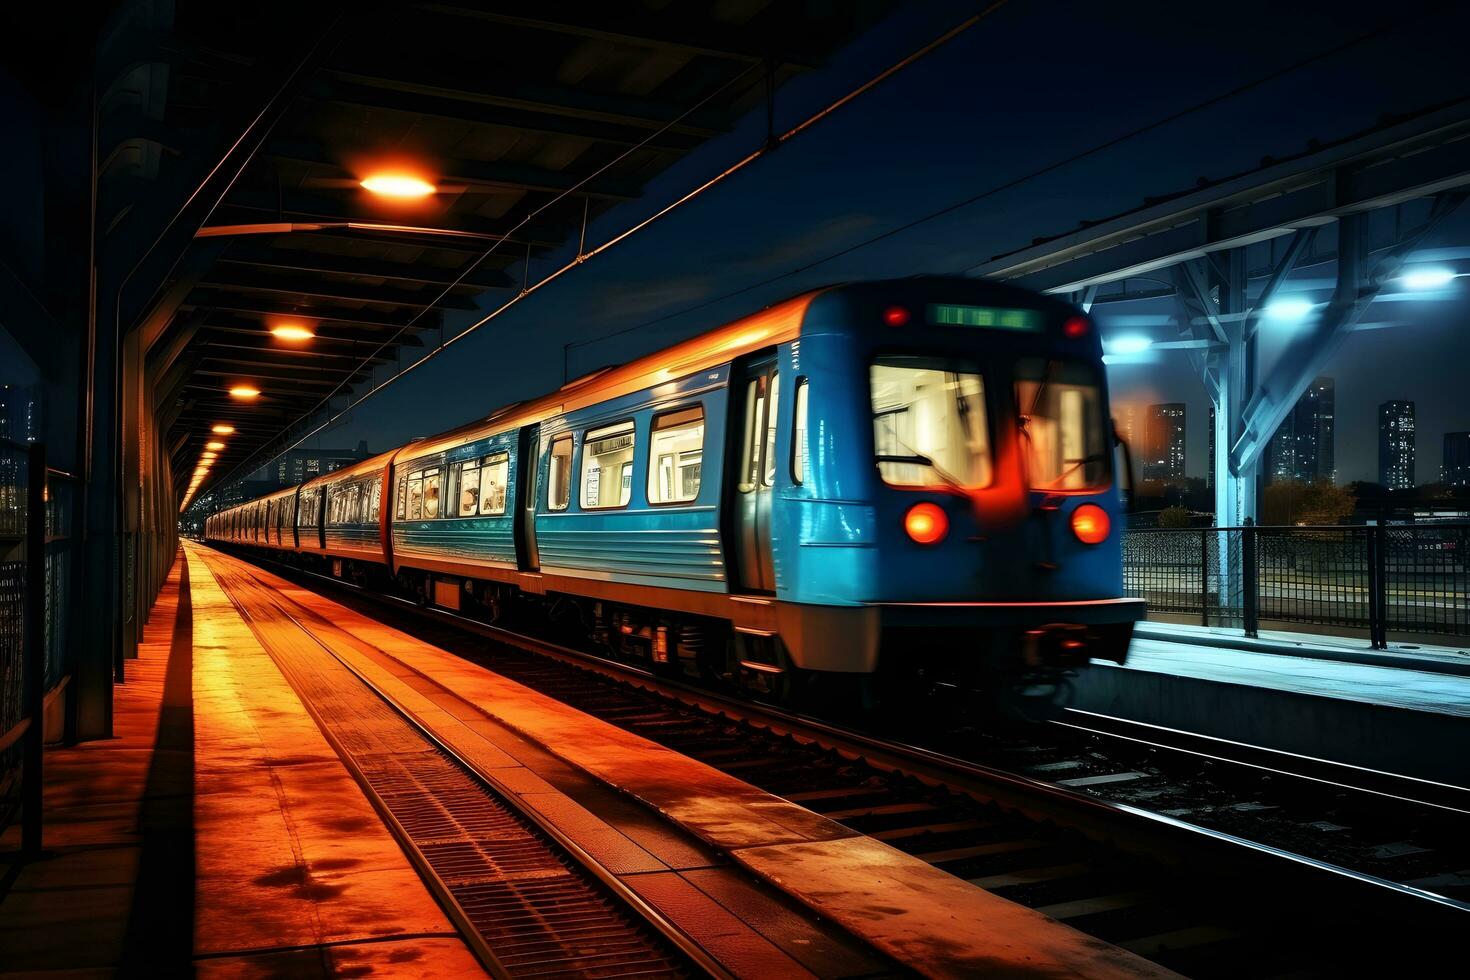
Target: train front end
x=980, y=415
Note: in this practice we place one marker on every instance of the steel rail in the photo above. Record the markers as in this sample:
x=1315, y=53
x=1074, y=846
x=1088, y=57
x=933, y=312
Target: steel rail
x=1387, y=786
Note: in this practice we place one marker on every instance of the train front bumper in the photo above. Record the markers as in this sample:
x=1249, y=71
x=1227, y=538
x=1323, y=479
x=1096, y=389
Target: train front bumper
x=1055, y=634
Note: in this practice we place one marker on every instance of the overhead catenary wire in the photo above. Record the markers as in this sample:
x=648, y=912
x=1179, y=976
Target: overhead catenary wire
x=1006, y=185
x=584, y=256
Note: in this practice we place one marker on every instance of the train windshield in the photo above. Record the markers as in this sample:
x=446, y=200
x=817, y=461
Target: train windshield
x=1059, y=404
x=929, y=424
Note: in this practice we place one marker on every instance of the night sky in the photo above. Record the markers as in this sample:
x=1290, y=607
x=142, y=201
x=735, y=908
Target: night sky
x=1036, y=84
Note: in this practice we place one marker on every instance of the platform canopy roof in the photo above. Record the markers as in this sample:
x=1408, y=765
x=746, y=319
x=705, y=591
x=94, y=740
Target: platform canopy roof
x=258, y=122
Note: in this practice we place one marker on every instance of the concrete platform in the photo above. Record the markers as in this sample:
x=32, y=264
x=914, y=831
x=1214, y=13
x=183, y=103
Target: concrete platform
x=217, y=833
x=1436, y=658
x=1266, y=692
x=530, y=745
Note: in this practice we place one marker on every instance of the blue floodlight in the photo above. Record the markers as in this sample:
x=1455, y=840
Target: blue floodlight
x=1289, y=308
x=1427, y=277
x=1131, y=343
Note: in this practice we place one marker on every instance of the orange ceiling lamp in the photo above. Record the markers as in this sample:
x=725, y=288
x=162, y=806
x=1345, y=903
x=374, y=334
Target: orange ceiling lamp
x=399, y=185
x=244, y=392
x=223, y=430
x=291, y=331
x=214, y=444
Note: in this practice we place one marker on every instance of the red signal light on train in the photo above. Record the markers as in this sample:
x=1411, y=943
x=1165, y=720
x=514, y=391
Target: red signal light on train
x=1091, y=524
x=896, y=316
x=926, y=523
x=1075, y=327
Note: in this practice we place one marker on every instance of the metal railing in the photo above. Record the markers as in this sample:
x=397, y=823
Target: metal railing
x=35, y=580
x=1384, y=578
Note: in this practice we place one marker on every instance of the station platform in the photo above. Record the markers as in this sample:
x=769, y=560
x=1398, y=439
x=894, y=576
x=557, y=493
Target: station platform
x=229, y=830
x=217, y=833
x=1396, y=711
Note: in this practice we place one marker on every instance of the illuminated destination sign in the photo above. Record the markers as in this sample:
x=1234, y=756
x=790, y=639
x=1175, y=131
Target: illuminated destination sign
x=985, y=316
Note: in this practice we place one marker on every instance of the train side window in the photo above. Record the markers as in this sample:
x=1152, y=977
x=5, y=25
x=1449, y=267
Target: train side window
x=401, y=507
x=769, y=477
x=559, y=473
x=755, y=406
x=416, y=495
x=376, y=501
x=798, y=434
x=607, y=461
x=676, y=456
x=494, y=470
x=469, y=488
x=431, y=492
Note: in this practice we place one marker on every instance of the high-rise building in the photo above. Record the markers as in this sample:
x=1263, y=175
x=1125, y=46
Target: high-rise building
x=1396, y=444
x=1456, y=469
x=1125, y=417
x=1163, y=456
x=1210, y=465
x=20, y=419
x=300, y=465
x=1304, y=446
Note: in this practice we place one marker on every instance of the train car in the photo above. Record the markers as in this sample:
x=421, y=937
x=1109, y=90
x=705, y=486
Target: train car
x=913, y=476
x=278, y=530
x=347, y=521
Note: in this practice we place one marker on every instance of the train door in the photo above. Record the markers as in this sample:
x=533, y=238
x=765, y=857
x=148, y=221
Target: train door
x=530, y=487
x=758, y=395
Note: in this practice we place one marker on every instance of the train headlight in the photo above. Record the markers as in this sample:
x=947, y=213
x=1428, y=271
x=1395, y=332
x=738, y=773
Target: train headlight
x=1091, y=524
x=926, y=523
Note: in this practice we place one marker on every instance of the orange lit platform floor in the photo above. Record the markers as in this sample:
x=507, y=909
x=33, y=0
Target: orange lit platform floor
x=216, y=832
x=245, y=846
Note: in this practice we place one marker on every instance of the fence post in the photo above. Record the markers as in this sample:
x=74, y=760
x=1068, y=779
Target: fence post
x=33, y=654
x=1378, y=586
x=1204, y=576
x=1250, y=593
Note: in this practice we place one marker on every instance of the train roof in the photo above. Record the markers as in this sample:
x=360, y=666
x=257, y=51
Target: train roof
x=773, y=325
x=368, y=465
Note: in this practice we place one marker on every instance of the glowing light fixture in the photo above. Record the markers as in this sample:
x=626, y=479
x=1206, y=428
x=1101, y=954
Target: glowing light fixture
x=896, y=316
x=926, y=523
x=1132, y=343
x=1427, y=277
x=245, y=392
x=1075, y=327
x=398, y=185
x=291, y=331
x=223, y=430
x=1290, y=308
x=214, y=444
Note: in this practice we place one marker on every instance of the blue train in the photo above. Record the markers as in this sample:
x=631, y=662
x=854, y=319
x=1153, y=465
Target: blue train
x=912, y=477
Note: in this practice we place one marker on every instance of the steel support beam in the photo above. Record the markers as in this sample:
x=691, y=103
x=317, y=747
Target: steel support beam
x=1360, y=278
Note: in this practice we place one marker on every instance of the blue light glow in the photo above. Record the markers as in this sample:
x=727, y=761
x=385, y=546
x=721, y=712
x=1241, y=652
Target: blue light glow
x=1131, y=343
x=1427, y=277
x=1289, y=308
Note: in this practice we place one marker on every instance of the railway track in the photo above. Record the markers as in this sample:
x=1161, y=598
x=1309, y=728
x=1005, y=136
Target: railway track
x=1198, y=900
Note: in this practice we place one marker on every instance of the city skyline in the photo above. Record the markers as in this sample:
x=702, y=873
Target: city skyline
x=1302, y=450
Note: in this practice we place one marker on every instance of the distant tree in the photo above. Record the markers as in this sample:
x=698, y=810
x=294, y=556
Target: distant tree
x=1290, y=502
x=1174, y=516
